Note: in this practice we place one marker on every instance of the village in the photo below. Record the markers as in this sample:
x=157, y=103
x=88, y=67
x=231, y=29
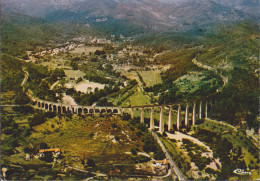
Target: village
x=117, y=51
x=124, y=59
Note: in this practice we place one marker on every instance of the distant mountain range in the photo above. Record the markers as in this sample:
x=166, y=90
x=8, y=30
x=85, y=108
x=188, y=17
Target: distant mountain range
x=158, y=15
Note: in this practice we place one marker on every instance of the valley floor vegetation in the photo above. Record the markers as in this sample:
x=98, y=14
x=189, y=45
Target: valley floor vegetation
x=43, y=60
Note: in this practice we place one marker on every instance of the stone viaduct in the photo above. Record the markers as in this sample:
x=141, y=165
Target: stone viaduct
x=74, y=109
x=179, y=108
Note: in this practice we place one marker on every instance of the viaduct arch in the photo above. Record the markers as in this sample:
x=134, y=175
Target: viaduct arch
x=184, y=111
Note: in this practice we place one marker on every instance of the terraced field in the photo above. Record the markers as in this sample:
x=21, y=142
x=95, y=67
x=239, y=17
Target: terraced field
x=86, y=49
x=151, y=77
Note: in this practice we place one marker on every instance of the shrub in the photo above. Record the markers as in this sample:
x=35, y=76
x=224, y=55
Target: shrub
x=24, y=109
x=158, y=153
x=47, y=157
x=117, y=138
x=199, y=121
x=8, y=131
x=150, y=145
x=6, y=150
x=11, y=142
x=173, y=140
x=90, y=163
x=141, y=159
x=4, y=122
x=16, y=133
x=159, y=134
x=164, y=134
x=139, y=133
x=142, y=127
x=79, y=80
x=126, y=117
x=114, y=125
x=50, y=114
x=27, y=150
x=210, y=171
x=13, y=124
x=25, y=132
x=21, y=98
x=43, y=145
x=37, y=119
x=132, y=128
x=91, y=134
x=172, y=131
x=133, y=151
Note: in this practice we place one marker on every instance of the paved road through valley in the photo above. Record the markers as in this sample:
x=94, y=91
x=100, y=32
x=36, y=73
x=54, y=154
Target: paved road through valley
x=168, y=156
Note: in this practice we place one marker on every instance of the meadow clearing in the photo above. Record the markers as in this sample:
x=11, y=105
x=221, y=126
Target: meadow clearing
x=86, y=49
x=151, y=77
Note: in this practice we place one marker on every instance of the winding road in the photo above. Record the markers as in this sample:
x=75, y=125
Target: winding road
x=206, y=67
x=174, y=168
x=54, y=84
x=25, y=78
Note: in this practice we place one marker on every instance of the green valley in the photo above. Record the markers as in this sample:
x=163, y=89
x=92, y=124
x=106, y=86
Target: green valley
x=129, y=90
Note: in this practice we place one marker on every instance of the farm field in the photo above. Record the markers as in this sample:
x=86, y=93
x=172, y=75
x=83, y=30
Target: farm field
x=82, y=80
x=103, y=141
x=151, y=77
x=108, y=139
x=56, y=63
x=138, y=98
x=86, y=49
x=132, y=75
x=74, y=73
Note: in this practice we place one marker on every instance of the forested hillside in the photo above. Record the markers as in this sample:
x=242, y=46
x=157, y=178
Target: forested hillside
x=237, y=57
x=22, y=33
x=232, y=50
x=88, y=78
x=19, y=34
x=153, y=15
x=11, y=73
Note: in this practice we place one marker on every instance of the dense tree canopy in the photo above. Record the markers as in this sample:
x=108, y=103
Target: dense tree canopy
x=239, y=99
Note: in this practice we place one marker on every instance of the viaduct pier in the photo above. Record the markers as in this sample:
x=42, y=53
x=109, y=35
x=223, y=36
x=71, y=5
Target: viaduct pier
x=179, y=108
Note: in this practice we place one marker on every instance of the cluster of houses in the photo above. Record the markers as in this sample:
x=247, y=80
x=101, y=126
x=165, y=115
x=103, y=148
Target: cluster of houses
x=55, y=51
x=131, y=50
x=52, y=52
x=100, y=40
x=135, y=51
x=55, y=152
x=159, y=167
